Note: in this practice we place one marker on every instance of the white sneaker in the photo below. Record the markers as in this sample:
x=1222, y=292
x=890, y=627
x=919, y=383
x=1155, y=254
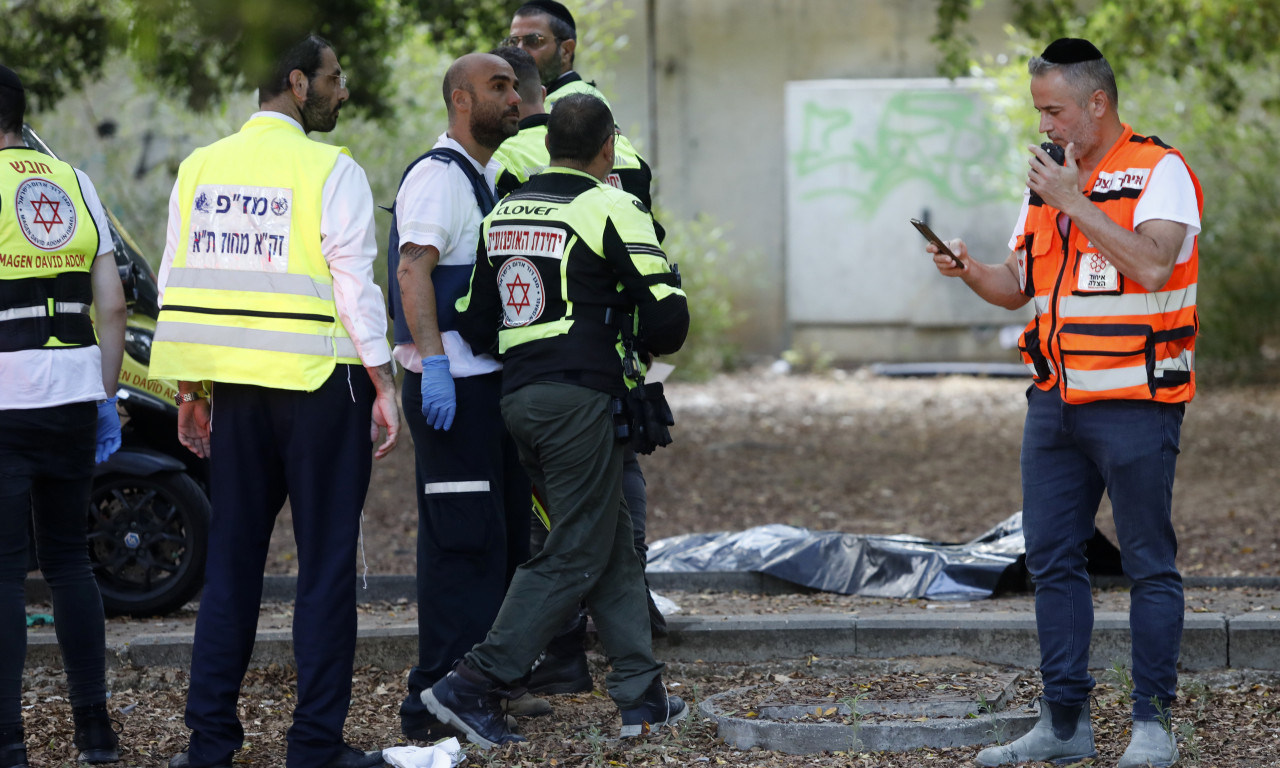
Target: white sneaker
x=1151, y=745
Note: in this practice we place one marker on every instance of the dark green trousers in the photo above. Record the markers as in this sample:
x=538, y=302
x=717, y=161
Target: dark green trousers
x=565, y=438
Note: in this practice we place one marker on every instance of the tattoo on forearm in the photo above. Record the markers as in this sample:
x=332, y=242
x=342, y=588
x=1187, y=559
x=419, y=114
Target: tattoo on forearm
x=411, y=252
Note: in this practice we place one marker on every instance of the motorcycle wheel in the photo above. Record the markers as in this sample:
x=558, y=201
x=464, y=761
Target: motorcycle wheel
x=148, y=538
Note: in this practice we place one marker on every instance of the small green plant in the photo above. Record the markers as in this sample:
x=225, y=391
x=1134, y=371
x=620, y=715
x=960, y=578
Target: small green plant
x=1197, y=691
x=855, y=719
x=1118, y=676
x=595, y=739
x=1191, y=744
x=1164, y=716
x=997, y=729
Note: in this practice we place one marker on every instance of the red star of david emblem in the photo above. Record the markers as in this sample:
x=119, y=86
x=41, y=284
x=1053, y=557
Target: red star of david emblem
x=511, y=294
x=40, y=218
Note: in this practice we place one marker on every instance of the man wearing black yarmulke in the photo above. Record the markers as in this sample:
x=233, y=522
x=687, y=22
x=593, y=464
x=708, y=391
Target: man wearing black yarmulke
x=1106, y=248
x=546, y=29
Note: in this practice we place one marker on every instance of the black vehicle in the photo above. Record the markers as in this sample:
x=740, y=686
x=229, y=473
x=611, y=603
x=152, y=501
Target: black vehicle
x=149, y=510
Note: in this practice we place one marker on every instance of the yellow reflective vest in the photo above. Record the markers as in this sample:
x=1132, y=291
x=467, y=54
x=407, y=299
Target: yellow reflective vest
x=48, y=241
x=249, y=296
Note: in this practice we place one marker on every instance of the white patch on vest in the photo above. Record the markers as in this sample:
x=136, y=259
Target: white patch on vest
x=243, y=227
x=45, y=213
x=614, y=180
x=1022, y=269
x=519, y=240
x=1097, y=273
x=1133, y=178
x=520, y=288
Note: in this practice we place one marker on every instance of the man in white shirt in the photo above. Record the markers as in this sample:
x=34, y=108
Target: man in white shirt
x=473, y=496
x=1106, y=248
x=268, y=293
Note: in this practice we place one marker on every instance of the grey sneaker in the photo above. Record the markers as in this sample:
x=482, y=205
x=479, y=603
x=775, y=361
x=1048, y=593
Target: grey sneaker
x=1040, y=745
x=1151, y=745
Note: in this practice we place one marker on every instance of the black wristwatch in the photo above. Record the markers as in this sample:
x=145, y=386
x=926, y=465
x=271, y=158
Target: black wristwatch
x=187, y=397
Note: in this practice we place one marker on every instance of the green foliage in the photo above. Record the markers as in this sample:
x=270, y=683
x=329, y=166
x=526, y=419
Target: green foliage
x=707, y=267
x=55, y=46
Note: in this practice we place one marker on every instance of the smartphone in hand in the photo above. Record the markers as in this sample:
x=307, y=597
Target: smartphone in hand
x=937, y=241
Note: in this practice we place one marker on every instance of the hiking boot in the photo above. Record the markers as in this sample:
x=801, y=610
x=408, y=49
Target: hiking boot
x=1042, y=744
x=525, y=705
x=1150, y=745
x=468, y=701
x=656, y=710
x=14, y=752
x=351, y=757
x=555, y=674
x=94, y=735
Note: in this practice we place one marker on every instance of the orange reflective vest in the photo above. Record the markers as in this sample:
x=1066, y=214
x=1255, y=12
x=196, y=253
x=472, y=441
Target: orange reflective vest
x=1098, y=335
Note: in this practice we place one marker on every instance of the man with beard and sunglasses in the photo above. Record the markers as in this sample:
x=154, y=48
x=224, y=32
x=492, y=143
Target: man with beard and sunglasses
x=268, y=304
x=474, y=500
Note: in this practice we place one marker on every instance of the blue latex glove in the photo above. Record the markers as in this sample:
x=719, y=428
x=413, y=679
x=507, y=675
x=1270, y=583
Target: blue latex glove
x=439, y=401
x=108, y=430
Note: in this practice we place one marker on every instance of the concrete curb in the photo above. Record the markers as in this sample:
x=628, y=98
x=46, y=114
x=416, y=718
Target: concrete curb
x=1002, y=638
x=1209, y=641
x=870, y=735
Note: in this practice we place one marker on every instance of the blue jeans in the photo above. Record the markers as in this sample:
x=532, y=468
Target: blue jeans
x=1070, y=455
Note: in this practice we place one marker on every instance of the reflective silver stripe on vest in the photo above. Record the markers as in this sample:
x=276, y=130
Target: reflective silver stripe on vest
x=1120, y=378
x=24, y=313
x=71, y=308
x=255, y=338
x=1133, y=304
x=474, y=486
x=1183, y=362
x=246, y=280
x=1042, y=304
x=1032, y=367
x=1111, y=378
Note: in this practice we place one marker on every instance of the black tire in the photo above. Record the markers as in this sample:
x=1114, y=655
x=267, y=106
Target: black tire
x=148, y=538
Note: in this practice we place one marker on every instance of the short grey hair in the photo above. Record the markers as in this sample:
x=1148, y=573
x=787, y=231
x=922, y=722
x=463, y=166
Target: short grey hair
x=1084, y=77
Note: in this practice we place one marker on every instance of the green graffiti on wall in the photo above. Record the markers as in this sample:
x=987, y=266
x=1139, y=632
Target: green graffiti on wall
x=942, y=139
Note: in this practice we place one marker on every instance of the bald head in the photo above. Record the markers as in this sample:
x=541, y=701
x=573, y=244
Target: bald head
x=473, y=72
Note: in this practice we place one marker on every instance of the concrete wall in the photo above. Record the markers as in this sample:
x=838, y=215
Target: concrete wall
x=700, y=87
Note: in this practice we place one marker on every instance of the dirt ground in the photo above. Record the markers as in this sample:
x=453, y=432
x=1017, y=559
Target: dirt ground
x=854, y=452
x=844, y=451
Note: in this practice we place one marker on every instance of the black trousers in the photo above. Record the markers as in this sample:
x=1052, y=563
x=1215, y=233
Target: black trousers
x=474, y=500
x=314, y=449
x=46, y=468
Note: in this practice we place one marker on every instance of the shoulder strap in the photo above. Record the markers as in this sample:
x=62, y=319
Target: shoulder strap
x=484, y=198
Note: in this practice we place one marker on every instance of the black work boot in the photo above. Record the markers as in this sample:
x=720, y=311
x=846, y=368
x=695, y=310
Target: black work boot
x=470, y=702
x=655, y=710
x=554, y=674
x=94, y=735
x=13, y=751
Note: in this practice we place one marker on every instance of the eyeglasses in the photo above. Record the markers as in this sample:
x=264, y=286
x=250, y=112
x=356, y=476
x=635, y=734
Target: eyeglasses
x=531, y=40
x=342, y=79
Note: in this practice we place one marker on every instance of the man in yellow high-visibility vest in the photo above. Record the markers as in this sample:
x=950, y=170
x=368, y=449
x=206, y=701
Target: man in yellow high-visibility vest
x=268, y=293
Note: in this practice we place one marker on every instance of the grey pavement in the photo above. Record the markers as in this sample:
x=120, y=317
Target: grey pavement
x=1210, y=640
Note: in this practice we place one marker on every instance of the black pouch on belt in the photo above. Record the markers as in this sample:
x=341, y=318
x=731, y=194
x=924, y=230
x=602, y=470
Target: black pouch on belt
x=649, y=416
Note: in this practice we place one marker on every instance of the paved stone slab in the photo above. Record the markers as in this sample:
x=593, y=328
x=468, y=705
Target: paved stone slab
x=1255, y=640
x=925, y=706
x=875, y=735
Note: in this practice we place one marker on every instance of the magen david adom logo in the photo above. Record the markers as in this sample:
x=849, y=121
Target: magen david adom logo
x=45, y=213
x=520, y=288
